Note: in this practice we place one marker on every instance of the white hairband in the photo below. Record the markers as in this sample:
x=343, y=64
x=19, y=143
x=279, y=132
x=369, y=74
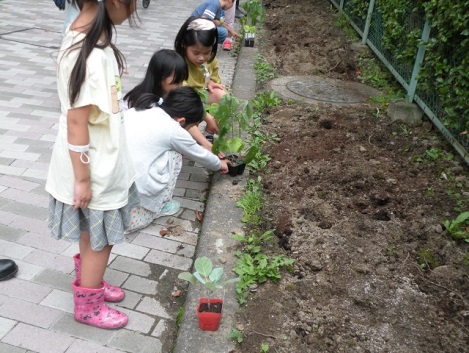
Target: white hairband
x=201, y=24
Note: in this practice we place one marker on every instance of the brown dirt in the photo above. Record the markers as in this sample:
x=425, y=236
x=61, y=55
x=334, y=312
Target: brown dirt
x=353, y=206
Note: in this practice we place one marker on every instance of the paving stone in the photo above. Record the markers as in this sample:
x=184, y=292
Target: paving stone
x=160, y=328
x=141, y=285
x=152, y=306
x=16, y=251
x=169, y=260
x=5, y=326
x=135, y=342
x=59, y=300
x=67, y=326
x=38, y=339
x=54, y=279
x=10, y=234
x=165, y=245
x=132, y=266
x=80, y=346
x=6, y=348
x=43, y=242
x=22, y=209
x=130, y=250
x=24, y=290
x=30, y=313
x=51, y=261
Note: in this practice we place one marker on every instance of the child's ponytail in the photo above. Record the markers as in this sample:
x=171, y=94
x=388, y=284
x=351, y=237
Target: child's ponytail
x=101, y=26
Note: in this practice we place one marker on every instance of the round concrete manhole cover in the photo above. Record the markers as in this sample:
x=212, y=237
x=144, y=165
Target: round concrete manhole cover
x=315, y=88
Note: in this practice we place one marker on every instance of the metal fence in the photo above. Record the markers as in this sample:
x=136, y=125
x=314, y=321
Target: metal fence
x=370, y=23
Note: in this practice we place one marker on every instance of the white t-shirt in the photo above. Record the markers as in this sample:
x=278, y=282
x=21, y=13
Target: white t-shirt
x=152, y=135
x=111, y=168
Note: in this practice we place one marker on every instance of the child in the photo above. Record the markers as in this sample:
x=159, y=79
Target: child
x=213, y=10
x=157, y=136
x=166, y=71
x=91, y=178
x=197, y=42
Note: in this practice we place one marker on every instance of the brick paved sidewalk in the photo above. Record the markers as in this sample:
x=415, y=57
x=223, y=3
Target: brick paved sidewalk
x=36, y=307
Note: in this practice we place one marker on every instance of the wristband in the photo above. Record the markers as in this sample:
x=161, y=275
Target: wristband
x=82, y=150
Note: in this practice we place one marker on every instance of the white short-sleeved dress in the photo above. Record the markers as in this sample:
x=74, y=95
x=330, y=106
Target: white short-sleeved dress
x=111, y=169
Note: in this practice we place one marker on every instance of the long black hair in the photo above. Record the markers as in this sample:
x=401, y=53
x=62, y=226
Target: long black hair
x=163, y=63
x=101, y=26
x=184, y=102
x=187, y=37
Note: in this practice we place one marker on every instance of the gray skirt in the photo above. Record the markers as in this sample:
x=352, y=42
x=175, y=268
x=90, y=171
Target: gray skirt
x=104, y=227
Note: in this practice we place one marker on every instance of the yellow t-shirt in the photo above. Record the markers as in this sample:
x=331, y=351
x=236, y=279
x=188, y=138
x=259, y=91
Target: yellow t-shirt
x=197, y=74
x=111, y=168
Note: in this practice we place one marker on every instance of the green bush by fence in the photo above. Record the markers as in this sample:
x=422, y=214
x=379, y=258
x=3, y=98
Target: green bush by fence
x=394, y=29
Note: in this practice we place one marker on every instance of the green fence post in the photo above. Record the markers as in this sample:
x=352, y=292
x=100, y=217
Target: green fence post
x=418, y=62
x=368, y=21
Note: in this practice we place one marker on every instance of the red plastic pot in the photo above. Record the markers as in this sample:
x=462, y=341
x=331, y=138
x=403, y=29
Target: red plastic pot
x=209, y=321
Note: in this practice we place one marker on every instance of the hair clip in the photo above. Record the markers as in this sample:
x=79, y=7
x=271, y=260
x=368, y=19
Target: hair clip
x=201, y=24
x=160, y=101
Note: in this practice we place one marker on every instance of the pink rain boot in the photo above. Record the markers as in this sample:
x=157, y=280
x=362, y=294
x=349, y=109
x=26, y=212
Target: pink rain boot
x=112, y=293
x=90, y=308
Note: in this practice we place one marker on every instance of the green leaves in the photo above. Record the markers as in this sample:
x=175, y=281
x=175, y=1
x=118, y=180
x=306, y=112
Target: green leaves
x=459, y=227
x=209, y=277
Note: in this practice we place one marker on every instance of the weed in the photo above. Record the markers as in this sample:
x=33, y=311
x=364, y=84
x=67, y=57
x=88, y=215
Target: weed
x=264, y=70
x=265, y=100
x=344, y=24
x=427, y=259
x=179, y=316
x=430, y=192
x=236, y=336
x=264, y=348
x=257, y=269
x=459, y=227
x=379, y=175
x=252, y=243
x=251, y=202
x=405, y=130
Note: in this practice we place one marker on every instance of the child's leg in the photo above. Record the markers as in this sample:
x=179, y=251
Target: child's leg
x=215, y=96
x=222, y=34
x=93, y=263
x=140, y=218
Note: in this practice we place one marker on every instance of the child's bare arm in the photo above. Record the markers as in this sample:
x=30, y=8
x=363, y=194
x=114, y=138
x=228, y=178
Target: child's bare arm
x=78, y=135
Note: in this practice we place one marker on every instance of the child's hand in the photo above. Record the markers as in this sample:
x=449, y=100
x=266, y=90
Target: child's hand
x=224, y=166
x=212, y=85
x=82, y=194
x=212, y=126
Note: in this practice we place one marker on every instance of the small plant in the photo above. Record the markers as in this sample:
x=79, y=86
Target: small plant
x=236, y=336
x=253, y=243
x=257, y=269
x=265, y=100
x=179, y=316
x=427, y=259
x=251, y=202
x=209, y=277
x=263, y=69
x=233, y=118
x=459, y=227
x=255, y=12
x=264, y=348
x=249, y=29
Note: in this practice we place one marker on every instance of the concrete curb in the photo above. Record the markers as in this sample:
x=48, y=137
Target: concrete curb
x=221, y=219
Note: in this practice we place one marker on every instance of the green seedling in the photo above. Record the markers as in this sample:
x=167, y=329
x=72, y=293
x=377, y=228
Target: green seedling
x=459, y=227
x=236, y=336
x=209, y=277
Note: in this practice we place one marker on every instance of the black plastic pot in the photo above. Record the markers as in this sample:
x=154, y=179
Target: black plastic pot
x=249, y=39
x=236, y=167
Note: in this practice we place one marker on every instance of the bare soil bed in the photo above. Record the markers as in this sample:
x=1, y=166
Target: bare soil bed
x=358, y=204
